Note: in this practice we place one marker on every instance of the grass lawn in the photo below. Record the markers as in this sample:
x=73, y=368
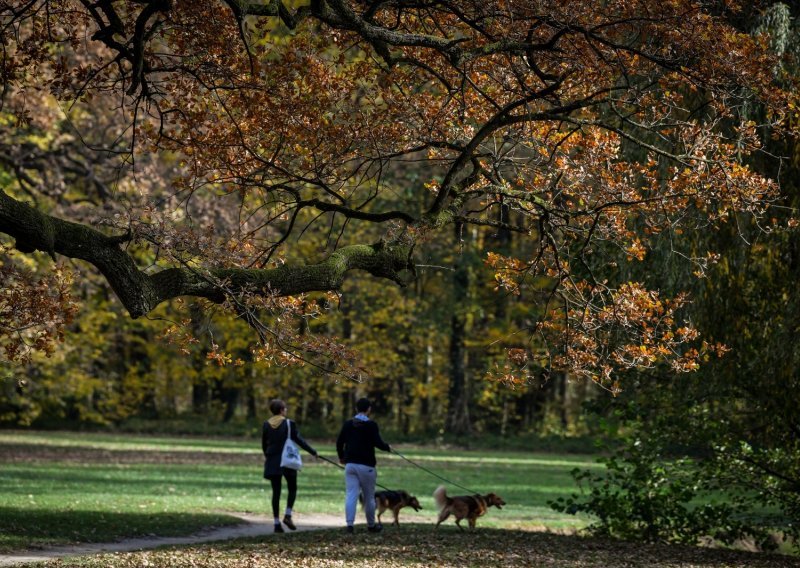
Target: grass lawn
x=60, y=487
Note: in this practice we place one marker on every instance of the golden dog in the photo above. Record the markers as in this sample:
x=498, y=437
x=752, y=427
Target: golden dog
x=468, y=507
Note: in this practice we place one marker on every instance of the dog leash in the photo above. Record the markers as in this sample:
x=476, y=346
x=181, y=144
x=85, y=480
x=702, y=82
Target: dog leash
x=425, y=469
x=323, y=458
x=340, y=466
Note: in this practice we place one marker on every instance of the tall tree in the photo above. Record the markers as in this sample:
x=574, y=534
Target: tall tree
x=280, y=116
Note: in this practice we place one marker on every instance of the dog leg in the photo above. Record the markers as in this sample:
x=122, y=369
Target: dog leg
x=442, y=517
x=396, y=512
x=458, y=524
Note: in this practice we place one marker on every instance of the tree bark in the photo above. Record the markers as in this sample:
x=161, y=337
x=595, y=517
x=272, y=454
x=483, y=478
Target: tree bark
x=140, y=292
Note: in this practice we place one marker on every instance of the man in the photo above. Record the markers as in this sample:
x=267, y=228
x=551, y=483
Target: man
x=356, y=448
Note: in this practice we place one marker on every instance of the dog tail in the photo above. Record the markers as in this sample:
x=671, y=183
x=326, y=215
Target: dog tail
x=440, y=496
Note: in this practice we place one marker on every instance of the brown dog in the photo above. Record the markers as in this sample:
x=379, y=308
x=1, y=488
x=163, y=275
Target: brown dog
x=394, y=500
x=468, y=507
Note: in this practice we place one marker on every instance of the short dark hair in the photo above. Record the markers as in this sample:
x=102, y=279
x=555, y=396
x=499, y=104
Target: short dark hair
x=363, y=404
x=275, y=406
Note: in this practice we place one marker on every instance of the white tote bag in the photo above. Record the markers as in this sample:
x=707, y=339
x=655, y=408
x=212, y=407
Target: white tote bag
x=290, y=458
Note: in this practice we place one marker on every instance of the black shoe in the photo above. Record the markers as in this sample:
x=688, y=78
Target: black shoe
x=350, y=529
x=278, y=529
x=375, y=528
x=287, y=520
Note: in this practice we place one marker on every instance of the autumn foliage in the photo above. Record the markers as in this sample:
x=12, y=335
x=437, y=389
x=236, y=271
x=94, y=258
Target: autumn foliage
x=582, y=128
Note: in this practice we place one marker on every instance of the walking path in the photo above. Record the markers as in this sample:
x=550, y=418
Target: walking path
x=253, y=525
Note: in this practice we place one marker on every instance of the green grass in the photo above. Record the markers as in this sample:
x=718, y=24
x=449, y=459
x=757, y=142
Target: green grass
x=60, y=487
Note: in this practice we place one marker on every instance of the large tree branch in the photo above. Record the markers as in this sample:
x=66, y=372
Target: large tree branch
x=140, y=292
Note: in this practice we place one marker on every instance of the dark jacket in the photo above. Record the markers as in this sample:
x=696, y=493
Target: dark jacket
x=272, y=441
x=357, y=442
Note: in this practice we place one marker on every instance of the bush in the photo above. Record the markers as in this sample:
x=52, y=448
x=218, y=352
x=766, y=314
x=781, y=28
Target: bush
x=643, y=496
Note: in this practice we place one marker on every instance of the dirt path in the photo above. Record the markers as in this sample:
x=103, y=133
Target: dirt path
x=252, y=525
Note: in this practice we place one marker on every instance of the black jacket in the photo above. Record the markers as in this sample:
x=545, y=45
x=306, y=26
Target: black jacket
x=272, y=441
x=357, y=442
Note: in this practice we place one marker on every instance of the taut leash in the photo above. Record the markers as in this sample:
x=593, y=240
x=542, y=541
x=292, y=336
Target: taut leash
x=323, y=458
x=425, y=469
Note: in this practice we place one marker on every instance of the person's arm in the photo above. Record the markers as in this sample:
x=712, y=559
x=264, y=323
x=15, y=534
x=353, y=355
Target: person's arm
x=264, y=439
x=340, y=442
x=300, y=441
x=378, y=441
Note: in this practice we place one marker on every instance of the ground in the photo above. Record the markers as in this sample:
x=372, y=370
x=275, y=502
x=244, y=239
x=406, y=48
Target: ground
x=71, y=489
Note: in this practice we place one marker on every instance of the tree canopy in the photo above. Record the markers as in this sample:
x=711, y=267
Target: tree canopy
x=188, y=148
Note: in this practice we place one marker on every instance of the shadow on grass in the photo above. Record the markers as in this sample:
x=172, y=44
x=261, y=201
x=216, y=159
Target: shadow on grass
x=25, y=452
x=26, y=529
x=447, y=546
x=110, y=480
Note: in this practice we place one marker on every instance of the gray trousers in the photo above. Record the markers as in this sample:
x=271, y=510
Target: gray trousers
x=359, y=479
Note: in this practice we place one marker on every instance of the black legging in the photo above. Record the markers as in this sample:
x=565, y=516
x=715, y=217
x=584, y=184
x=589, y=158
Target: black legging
x=291, y=485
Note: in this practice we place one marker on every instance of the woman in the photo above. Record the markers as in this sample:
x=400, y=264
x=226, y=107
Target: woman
x=273, y=437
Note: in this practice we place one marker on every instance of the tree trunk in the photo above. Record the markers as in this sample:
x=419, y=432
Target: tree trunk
x=230, y=397
x=252, y=407
x=458, y=398
x=458, y=419
x=201, y=394
x=425, y=401
x=200, y=397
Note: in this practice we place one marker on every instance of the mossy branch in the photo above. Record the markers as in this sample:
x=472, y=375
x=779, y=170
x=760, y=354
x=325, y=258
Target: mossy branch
x=140, y=292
